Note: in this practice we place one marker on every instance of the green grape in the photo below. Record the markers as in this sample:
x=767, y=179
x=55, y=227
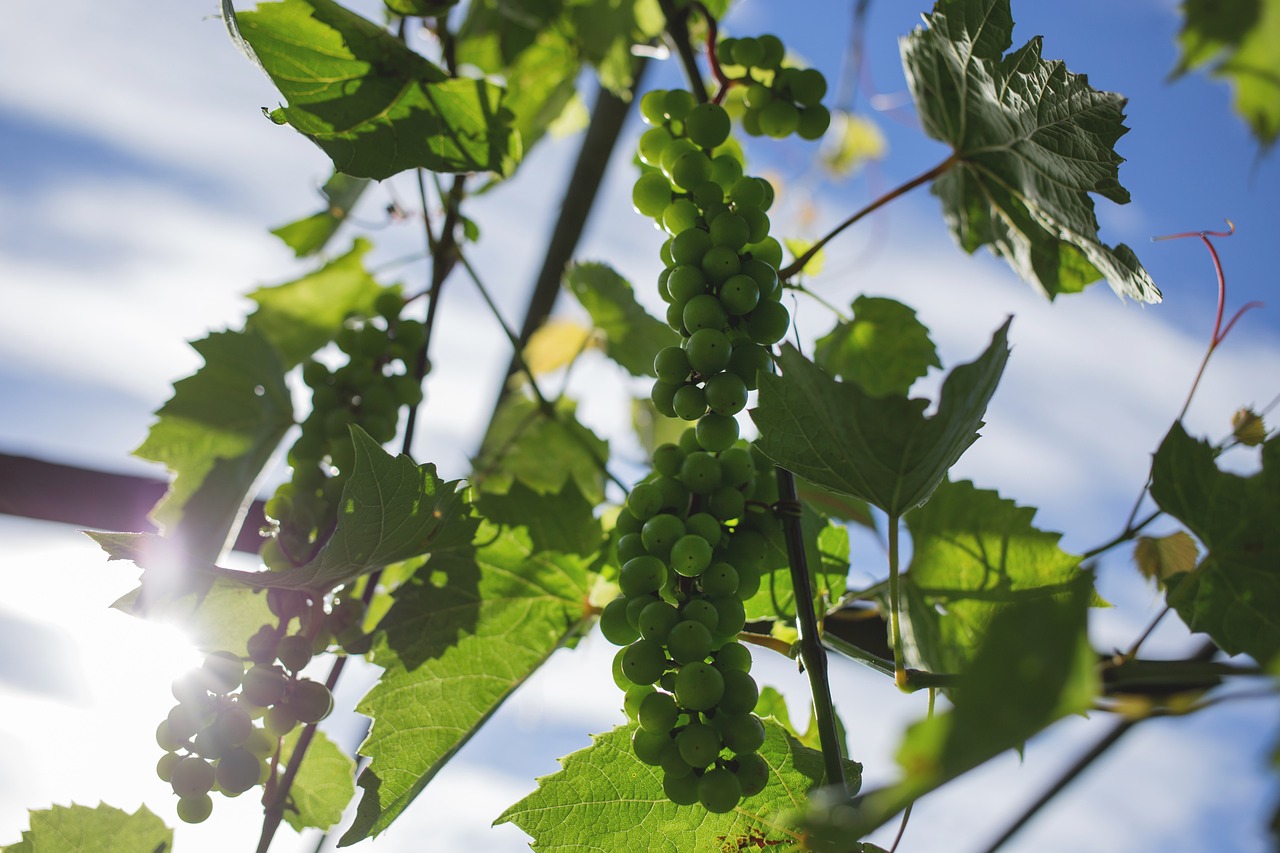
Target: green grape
x=688, y=247
x=667, y=459
x=166, y=739
x=222, y=671
x=657, y=712
x=752, y=773
x=720, y=579
x=662, y=284
x=630, y=546
x=739, y=294
x=681, y=790
x=747, y=361
x=740, y=692
x=747, y=52
x=724, y=51
x=719, y=791
x=772, y=52
x=665, y=252
x=689, y=641
x=279, y=721
x=660, y=533
x=675, y=317
x=686, y=282
x=699, y=686
x=207, y=744
x=748, y=581
x=814, y=122
x=644, y=662
x=677, y=104
x=733, y=617
x=238, y=771
x=779, y=119
x=674, y=494
x=233, y=725
x=701, y=610
x=191, y=777
x=646, y=499
x=310, y=701
x=627, y=523
x=704, y=312
x=294, y=652
x=652, y=106
x=166, y=765
x=673, y=152
x=719, y=263
x=690, y=556
x=652, y=143
x=389, y=303
x=260, y=743
x=705, y=525
x=692, y=169
x=768, y=323
x=263, y=685
x=614, y=624
x=707, y=194
x=717, y=432
x=656, y=621
x=263, y=644
x=633, y=697
x=708, y=350
x=699, y=744
x=700, y=472
x=649, y=746
x=707, y=125
x=642, y=574
x=185, y=720
x=673, y=764
x=767, y=251
x=671, y=364
x=663, y=395
x=651, y=194
x=736, y=467
x=747, y=192
x=757, y=96
x=636, y=605
x=743, y=733
x=680, y=215
x=807, y=86
x=730, y=229
x=619, y=674
x=410, y=336
x=195, y=809
x=690, y=402
x=726, y=503
x=733, y=656
x=689, y=441
x=751, y=123
x=726, y=394
x=725, y=171
x=757, y=224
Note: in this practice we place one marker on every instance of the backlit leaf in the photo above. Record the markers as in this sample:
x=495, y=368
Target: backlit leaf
x=311, y=234
x=104, y=829
x=540, y=449
x=324, y=785
x=1160, y=557
x=555, y=344
x=885, y=349
x=632, y=336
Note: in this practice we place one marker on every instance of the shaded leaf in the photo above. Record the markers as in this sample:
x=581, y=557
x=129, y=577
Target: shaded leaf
x=604, y=799
x=301, y=316
x=564, y=521
x=104, y=829
x=826, y=548
x=772, y=704
x=1031, y=141
x=606, y=30
x=834, y=505
x=885, y=349
x=464, y=632
x=1234, y=594
x=311, y=234
x=544, y=452
x=1160, y=557
x=1238, y=41
x=884, y=450
x=373, y=105
x=324, y=785
x=974, y=553
x=632, y=336
x=216, y=434
x=654, y=428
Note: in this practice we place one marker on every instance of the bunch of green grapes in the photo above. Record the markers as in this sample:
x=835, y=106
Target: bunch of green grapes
x=779, y=100
x=691, y=553
x=368, y=390
x=224, y=733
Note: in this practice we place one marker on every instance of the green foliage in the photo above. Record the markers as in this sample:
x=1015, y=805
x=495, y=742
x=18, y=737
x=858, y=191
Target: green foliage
x=469, y=627
x=324, y=784
x=826, y=546
x=374, y=106
x=883, y=450
x=972, y=555
x=772, y=704
x=215, y=434
x=885, y=349
x=632, y=336
x=311, y=234
x=562, y=521
x=105, y=829
x=1234, y=594
x=604, y=799
x=1240, y=42
x=1031, y=141
x=545, y=451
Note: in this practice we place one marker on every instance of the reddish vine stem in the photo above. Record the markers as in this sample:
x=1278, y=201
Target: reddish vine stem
x=923, y=178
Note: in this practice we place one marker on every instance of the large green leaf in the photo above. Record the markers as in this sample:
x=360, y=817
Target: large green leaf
x=464, y=632
x=1238, y=40
x=544, y=450
x=564, y=521
x=604, y=800
x=311, y=234
x=1031, y=141
x=105, y=829
x=324, y=785
x=216, y=434
x=373, y=105
x=884, y=450
x=972, y=554
x=884, y=348
x=826, y=547
x=632, y=336
x=1234, y=594
x=606, y=31
x=301, y=316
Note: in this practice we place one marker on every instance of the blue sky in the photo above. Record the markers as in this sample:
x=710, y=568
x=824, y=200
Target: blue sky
x=138, y=184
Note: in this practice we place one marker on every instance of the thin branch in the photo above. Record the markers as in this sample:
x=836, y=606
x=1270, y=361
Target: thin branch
x=678, y=32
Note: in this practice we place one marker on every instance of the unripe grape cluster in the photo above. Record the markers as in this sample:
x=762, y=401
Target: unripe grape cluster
x=368, y=391
x=691, y=552
x=779, y=100
x=224, y=733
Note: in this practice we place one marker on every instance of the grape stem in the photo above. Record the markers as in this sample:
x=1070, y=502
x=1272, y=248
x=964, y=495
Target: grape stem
x=895, y=605
x=812, y=652
x=925, y=177
x=678, y=29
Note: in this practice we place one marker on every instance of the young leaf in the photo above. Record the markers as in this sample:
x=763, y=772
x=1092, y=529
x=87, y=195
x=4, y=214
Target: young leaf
x=1234, y=595
x=557, y=343
x=81, y=829
x=324, y=785
x=972, y=554
x=310, y=235
x=885, y=349
x=372, y=104
x=464, y=632
x=1239, y=40
x=1161, y=557
x=525, y=443
x=215, y=434
x=853, y=141
x=881, y=449
x=632, y=336
x=1031, y=141
x=301, y=316
x=604, y=798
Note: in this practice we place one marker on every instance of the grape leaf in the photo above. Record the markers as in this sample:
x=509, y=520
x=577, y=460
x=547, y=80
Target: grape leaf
x=632, y=336
x=606, y=31
x=324, y=785
x=564, y=521
x=372, y=104
x=311, y=234
x=826, y=548
x=526, y=444
x=215, y=434
x=972, y=554
x=1031, y=141
x=1034, y=667
x=883, y=450
x=464, y=632
x=1240, y=40
x=855, y=140
x=772, y=704
x=885, y=349
x=652, y=427
x=604, y=799
x=105, y=829
x=1234, y=594
x=214, y=616
x=301, y=316
x=836, y=506
x=1160, y=557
